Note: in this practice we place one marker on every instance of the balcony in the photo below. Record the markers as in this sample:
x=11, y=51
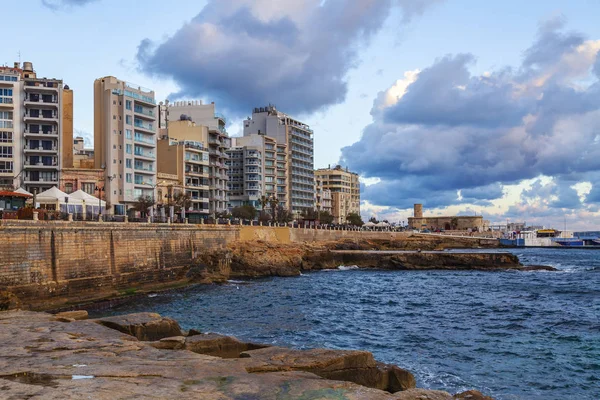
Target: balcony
x=40, y=149
x=32, y=86
x=139, y=153
x=33, y=100
x=145, y=127
x=145, y=113
x=6, y=102
x=45, y=134
x=145, y=169
x=29, y=116
x=42, y=181
x=144, y=140
x=41, y=165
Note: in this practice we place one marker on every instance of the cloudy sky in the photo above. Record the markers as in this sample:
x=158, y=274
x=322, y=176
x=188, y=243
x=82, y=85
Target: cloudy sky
x=466, y=106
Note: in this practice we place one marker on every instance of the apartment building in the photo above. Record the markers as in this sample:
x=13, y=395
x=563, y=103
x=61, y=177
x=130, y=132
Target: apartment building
x=345, y=191
x=218, y=143
x=36, y=128
x=125, y=141
x=299, y=162
x=323, y=199
x=257, y=167
x=185, y=154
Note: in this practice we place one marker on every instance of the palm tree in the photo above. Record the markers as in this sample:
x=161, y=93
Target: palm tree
x=273, y=202
x=264, y=200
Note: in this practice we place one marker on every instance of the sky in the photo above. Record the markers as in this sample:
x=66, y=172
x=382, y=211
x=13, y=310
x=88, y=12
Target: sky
x=470, y=107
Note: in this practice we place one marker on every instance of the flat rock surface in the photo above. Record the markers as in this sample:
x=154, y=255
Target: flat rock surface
x=42, y=357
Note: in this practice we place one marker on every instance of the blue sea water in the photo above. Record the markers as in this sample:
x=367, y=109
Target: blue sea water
x=512, y=335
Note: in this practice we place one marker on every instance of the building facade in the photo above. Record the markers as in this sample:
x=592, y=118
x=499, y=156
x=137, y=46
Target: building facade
x=36, y=128
x=185, y=154
x=323, y=198
x=257, y=168
x=218, y=143
x=299, y=161
x=125, y=141
x=345, y=191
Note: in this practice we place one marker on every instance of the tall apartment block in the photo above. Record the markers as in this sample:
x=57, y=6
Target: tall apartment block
x=218, y=143
x=125, y=141
x=36, y=128
x=298, y=138
x=257, y=167
x=345, y=191
x=185, y=154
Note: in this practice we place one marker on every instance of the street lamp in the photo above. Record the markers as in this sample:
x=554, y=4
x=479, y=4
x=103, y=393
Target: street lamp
x=99, y=189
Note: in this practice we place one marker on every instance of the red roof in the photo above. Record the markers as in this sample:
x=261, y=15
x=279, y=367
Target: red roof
x=13, y=194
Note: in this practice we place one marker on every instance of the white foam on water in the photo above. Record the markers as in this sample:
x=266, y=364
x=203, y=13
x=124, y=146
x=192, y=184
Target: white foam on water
x=77, y=377
x=347, y=268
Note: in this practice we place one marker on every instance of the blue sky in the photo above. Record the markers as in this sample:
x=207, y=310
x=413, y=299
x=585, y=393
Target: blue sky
x=367, y=49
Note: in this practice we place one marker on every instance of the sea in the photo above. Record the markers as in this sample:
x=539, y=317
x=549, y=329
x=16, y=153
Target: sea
x=511, y=334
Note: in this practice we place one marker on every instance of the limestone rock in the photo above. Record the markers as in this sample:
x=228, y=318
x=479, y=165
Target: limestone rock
x=218, y=345
x=472, y=395
x=144, y=326
x=353, y=366
x=8, y=301
x=170, y=343
x=422, y=394
x=79, y=315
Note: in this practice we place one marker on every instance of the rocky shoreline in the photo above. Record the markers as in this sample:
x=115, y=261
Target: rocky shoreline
x=145, y=355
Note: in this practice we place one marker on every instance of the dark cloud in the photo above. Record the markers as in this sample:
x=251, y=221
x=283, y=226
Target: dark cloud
x=247, y=53
x=447, y=94
x=60, y=4
x=446, y=130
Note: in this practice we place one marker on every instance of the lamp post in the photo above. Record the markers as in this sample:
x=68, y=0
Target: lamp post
x=99, y=189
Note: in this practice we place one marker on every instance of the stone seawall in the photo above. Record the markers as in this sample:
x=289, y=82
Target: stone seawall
x=54, y=264
x=83, y=261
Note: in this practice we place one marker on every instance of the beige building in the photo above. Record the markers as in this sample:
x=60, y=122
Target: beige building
x=185, y=154
x=218, y=143
x=169, y=187
x=460, y=223
x=36, y=128
x=257, y=167
x=299, y=162
x=323, y=199
x=82, y=157
x=345, y=191
x=125, y=141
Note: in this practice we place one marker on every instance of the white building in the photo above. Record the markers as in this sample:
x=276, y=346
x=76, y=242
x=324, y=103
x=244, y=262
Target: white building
x=299, y=163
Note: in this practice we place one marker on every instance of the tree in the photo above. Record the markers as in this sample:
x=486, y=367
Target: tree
x=143, y=203
x=325, y=217
x=373, y=220
x=265, y=217
x=182, y=201
x=273, y=202
x=309, y=214
x=283, y=216
x=354, y=219
x=244, y=212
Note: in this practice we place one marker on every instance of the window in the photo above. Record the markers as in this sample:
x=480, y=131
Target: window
x=128, y=119
x=128, y=133
x=128, y=163
x=6, y=137
x=128, y=104
x=88, y=187
x=114, y=161
x=6, y=152
x=114, y=116
x=128, y=148
x=68, y=188
x=114, y=146
x=6, y=166
x=114, y=102
x=128, y=178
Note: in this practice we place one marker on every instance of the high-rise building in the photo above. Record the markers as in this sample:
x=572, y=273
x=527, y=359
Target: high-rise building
x=185, y=154
x=218, y=143
x=125, y=141
x=299, y=163
x=345, y=191
x=36, y=128
x=257, y=168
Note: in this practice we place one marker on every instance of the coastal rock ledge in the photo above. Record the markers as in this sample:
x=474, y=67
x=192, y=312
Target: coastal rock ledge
x=135, y=356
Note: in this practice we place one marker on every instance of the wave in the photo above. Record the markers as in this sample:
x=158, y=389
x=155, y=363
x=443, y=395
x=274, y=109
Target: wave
x=347, y=268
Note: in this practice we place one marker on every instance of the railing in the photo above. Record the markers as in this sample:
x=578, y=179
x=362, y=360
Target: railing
x=143, y=111
x=139, y=124
x=146, y=154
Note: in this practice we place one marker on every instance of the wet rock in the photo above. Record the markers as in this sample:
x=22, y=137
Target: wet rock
x=353, y=366
x=144, y=326
x=472, y=395
x=422, y=394
x=79, y=315
x=219, y=345
x=537, y=268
